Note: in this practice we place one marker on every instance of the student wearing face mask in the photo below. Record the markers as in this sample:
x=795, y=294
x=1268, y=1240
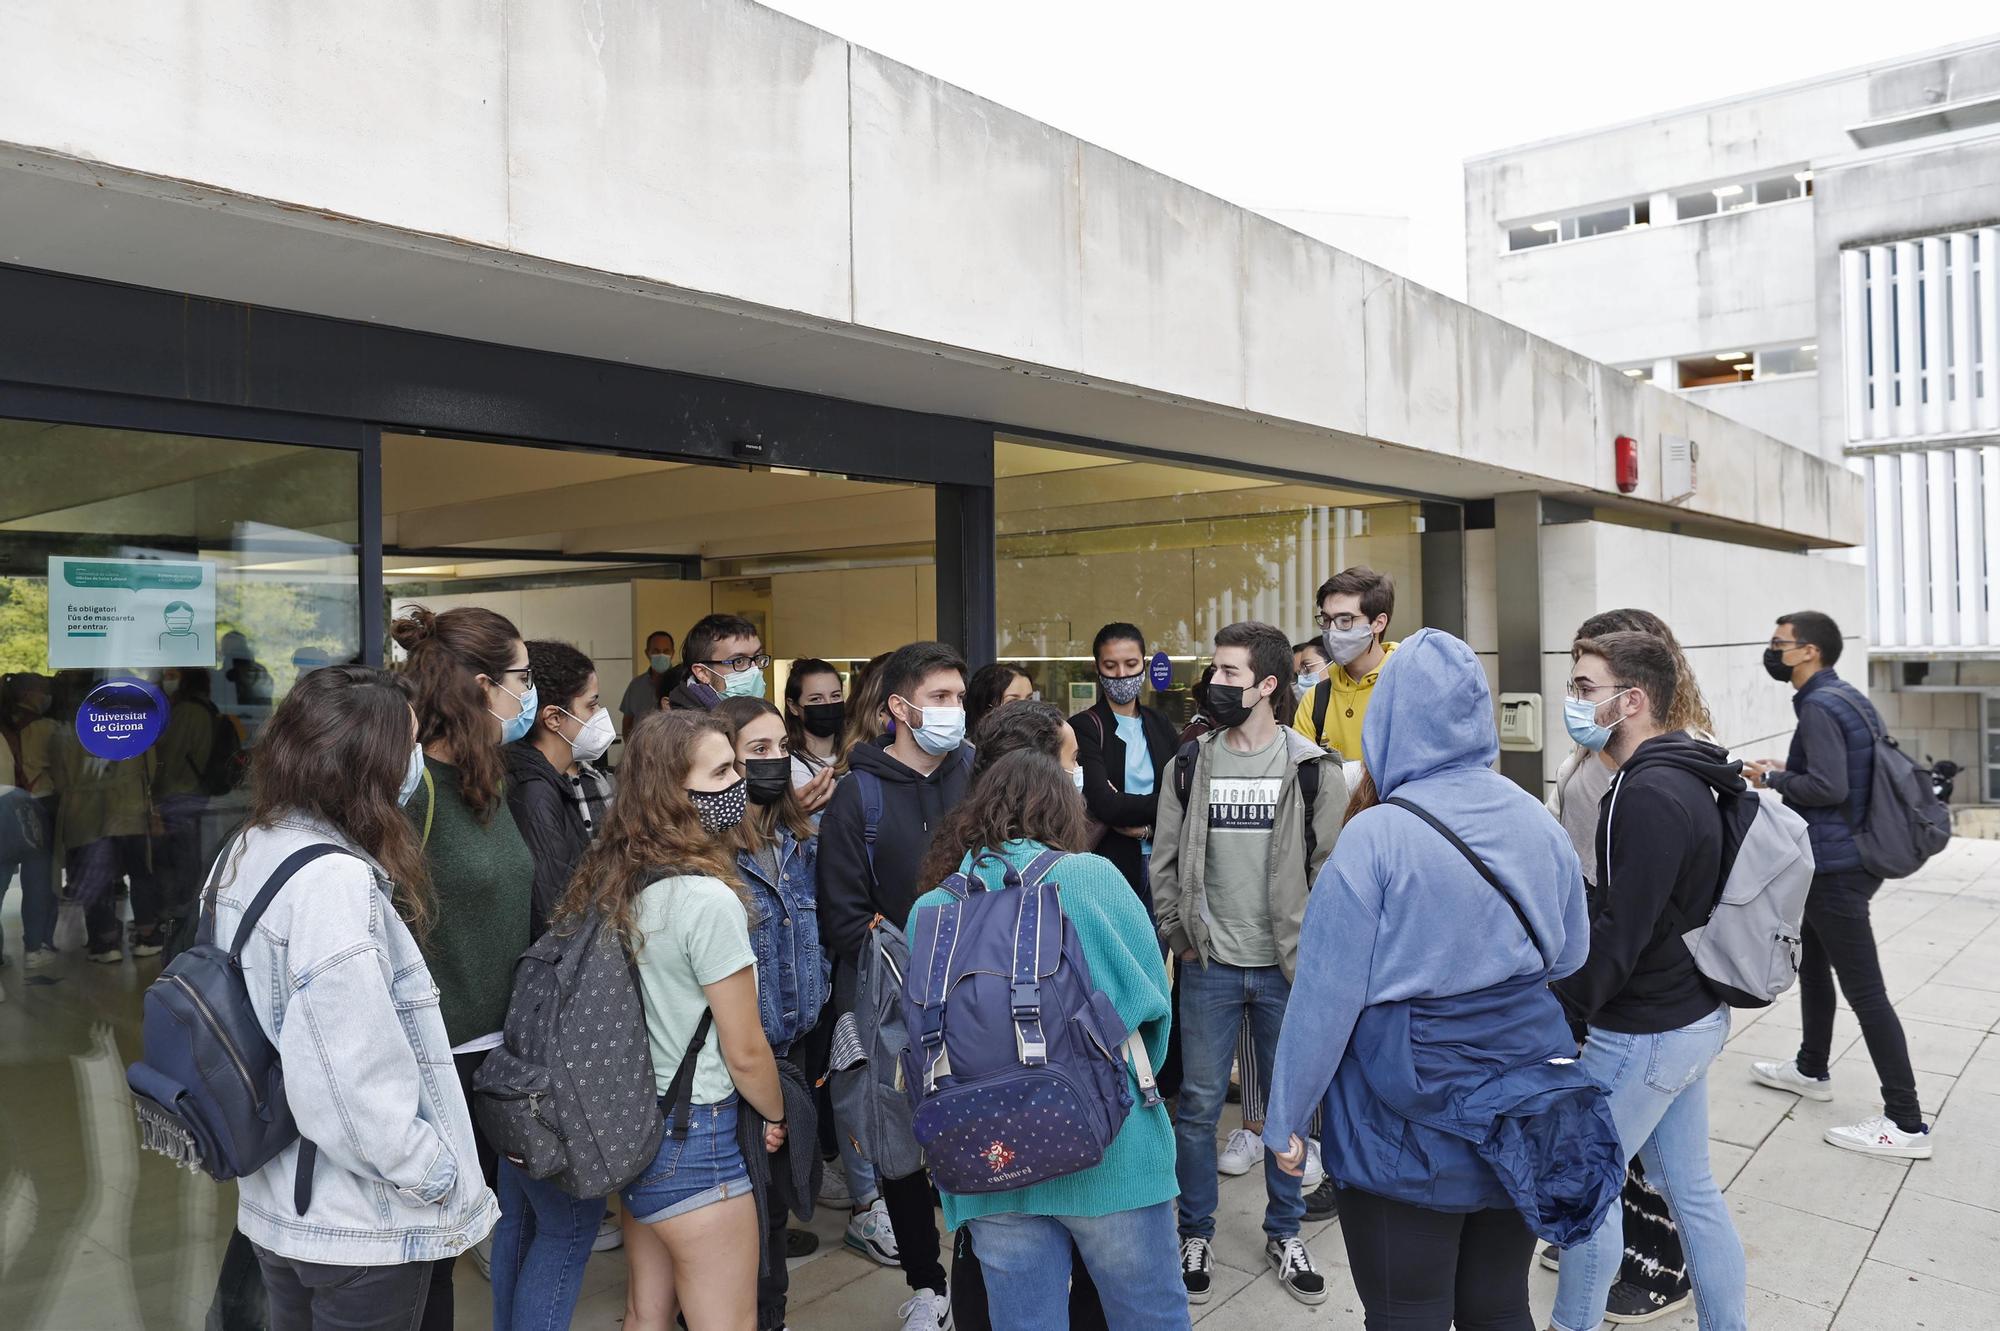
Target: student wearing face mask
x=1309, y=664
x=724, y=658
x=1355, y=606
x=642, y=695
x=777, y=858
x=1122, y=748
x=872, y=843
x=559, y=797
x=815, y=714
x=474, y=692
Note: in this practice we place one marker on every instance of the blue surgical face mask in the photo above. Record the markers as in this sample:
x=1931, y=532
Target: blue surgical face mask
x=942, y=731
x=413, y=777
x=1309, y=682
x=743, y=684
x=660, y=662
x=1580, y=719
x=516, y=726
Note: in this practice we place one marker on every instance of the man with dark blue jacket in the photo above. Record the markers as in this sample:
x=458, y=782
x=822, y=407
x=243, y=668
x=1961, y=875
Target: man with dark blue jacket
x=1826, y=777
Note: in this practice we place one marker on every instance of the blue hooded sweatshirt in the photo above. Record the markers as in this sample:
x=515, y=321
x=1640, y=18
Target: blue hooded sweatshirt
x=1397, y=913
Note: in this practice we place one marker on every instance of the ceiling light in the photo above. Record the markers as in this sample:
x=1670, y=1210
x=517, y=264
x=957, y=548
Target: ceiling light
x=1810, y=346
x=1635, y=373
x=1726, y=191
x=1544, y=226
x=1732, y=355
x=1802, y=176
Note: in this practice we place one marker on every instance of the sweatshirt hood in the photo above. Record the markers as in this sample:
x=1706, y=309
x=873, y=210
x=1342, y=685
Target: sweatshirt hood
x=875, y=757
x=1677, y=748
x=1432, y=712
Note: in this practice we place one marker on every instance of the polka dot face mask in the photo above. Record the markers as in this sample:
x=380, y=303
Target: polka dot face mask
x=719, y=810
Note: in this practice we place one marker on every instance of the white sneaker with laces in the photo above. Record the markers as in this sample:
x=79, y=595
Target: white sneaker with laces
x=1296, y=1272
x=610, y=1235
x=833, y=1189
x=1785, y=1076
x=927, y=1310
x=870, y=1233
x=40, y=958
x=1243, y=1152
x=1315, y=1169
x=1881, y=1136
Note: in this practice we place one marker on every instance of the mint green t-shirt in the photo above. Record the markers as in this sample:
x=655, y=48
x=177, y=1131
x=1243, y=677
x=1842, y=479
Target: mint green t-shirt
x=1242, y=804
x=695, y=933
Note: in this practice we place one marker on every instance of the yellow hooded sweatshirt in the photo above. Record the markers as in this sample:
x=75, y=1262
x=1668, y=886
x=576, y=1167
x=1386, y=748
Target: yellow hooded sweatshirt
x=1345, y=708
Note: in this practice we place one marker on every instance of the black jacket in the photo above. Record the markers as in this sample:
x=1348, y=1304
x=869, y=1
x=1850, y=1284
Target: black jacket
x=1660, y=861
x=544, y=807
x=1101, y=753
x=912, y=807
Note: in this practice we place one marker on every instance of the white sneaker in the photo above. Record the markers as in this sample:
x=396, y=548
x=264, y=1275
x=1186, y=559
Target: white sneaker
x=1241, y=1153
x=1315, y=1170
x=1785, y=1076
x=40, y=958
x=610, y=1235
x=833, y=1189
x=870, y=1234
x=927, y=1310
x=1881, y=1136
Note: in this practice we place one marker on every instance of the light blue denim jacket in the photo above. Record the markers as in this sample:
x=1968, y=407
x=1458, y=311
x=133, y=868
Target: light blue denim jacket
x=342, y=991
x=792, y=966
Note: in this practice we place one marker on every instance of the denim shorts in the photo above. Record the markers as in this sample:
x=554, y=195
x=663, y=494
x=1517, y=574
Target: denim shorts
x=687, y=1174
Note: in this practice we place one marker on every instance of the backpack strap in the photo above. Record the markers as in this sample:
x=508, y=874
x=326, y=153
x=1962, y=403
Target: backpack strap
x=1025, y=1001
x=1184, y=760
x=929, y=1034
x=1308, y=800
x=1322, y=699
x=1473, y=859
x=680, y=1093
x=871, y=817
x=268, y=893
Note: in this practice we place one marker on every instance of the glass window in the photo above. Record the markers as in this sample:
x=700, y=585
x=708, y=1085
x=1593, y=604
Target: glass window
x=1528, y=237
x=1788, y=360
x=1086, y=540
x=1598, y=223
x=1776, y=189
x=1701, y=203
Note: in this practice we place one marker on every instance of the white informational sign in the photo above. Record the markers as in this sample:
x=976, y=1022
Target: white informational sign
x=128, y=613
x=1678, y=458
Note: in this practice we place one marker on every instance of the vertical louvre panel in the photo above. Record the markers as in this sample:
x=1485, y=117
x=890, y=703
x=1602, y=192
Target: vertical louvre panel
x=1972, y=540
x=1939, y=526
x=1987, y=398
x=1932, y=351
x=1885, y=547
x=1989, y=527
x=1909, y=334
x=1958, y=412
x=1915, y=560
x=1854, y=340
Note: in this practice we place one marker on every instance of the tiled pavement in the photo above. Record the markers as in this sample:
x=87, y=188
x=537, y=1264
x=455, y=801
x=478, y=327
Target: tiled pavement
x=1834, y=1240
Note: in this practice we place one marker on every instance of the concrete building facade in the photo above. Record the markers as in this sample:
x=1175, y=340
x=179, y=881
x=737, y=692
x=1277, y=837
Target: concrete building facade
x=1820, y=261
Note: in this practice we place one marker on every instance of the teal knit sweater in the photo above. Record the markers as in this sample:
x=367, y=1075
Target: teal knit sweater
x=1123, y=953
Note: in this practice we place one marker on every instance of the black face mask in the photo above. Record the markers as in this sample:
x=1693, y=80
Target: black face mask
x=823, y=719
x=1225, y=706
x=767, y=778
x=1774, y=665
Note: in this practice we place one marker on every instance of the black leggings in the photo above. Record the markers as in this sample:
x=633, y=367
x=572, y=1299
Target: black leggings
x=1419, y=1270
x=913, y=1216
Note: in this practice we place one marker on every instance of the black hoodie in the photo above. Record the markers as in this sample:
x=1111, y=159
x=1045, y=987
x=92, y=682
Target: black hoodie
x=850, y=896
x=1662, y=852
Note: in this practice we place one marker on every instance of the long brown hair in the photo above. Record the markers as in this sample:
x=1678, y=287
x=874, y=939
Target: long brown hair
x=761, y=821
x=865, y=699
x=1024, y=795
x=448, y=653
x=1365, y=797
x=652, y=829
x=337, y=748
x=1690, y=710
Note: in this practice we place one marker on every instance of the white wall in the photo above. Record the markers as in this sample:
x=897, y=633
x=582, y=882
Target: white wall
x=1785, y=408
x=596, y=620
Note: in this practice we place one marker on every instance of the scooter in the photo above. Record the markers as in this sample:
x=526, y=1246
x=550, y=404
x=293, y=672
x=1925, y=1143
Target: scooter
x=1942, y=774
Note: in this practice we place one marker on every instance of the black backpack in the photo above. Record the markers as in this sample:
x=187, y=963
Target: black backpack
x=210, y=1090
x=569, y=1096
x=1905, y=822
x=1184, y=761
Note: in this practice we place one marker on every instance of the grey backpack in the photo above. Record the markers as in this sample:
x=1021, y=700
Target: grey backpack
x=570, y=1096
x=1748, y=948
x=868, y=1046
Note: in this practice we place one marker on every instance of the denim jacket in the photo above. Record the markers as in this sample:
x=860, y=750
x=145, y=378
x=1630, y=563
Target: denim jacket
x=343, y=993
x=792, y=967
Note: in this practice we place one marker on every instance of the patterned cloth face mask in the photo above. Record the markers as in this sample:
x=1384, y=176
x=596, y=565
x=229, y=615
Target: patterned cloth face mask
x=720, y=810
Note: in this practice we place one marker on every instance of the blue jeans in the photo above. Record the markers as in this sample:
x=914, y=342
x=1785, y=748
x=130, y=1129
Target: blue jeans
x=1214, y=998
x=1132, y=1256
x=540, y=1247
x=1659, y=1100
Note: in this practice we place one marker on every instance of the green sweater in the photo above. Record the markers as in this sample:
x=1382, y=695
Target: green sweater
x=1123, y=953
x=482, y=875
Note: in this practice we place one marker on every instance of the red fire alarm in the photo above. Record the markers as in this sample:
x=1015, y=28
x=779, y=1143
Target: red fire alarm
x=1628, y=464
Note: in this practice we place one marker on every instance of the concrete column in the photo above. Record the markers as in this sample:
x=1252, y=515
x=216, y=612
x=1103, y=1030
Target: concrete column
x=1517, y=570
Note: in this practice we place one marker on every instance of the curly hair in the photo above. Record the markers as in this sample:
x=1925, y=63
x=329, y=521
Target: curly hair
x=1689, y=710
x=1025, y=795
x=652, y=830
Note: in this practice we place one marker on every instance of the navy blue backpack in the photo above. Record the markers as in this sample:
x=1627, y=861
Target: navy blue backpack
x=1015, y=1066
x=210, y=1091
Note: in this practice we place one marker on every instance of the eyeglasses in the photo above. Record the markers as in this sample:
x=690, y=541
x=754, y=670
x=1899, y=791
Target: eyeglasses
x=1585, y=692
x=1784, y=644
x=527, y=676
x=736, y=664
x=1342, y=622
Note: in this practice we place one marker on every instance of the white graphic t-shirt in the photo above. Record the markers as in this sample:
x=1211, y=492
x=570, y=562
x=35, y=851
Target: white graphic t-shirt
x=1242, y=803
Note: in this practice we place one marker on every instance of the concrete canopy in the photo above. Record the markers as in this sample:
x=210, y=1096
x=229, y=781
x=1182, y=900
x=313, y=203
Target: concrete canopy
x=718, y=189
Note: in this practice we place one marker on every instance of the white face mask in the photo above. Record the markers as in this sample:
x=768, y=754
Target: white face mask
x=1076, y=778
x=595, y=738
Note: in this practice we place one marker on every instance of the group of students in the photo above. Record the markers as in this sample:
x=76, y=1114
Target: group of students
x=1320, y=885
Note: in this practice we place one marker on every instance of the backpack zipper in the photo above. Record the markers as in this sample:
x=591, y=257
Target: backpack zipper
x=208, y=1014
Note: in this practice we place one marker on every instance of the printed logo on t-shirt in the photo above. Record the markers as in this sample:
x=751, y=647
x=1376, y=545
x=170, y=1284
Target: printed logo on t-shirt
x=1242, y=804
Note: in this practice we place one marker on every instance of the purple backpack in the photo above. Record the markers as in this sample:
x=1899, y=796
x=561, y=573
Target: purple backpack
x=1015, y=1066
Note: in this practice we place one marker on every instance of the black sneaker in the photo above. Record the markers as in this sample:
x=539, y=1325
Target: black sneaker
x=800, y=1243
x=1322, y=1202
x=1630, y=1303
x=1197, y=1268
x=1294, y=1265
x=1551, y=1257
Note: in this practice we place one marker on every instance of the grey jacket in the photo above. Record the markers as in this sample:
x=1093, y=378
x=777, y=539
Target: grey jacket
x=1180, y=849
x=342, y=991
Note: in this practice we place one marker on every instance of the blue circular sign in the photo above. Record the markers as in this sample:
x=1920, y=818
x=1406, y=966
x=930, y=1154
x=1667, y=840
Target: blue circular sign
x=121, y=718
x=1162, y=672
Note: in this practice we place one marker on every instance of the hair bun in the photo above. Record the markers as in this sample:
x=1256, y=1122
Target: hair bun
x=414, y=625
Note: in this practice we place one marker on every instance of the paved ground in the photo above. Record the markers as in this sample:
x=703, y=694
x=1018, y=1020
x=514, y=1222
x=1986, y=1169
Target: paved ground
x=1834, y=1239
